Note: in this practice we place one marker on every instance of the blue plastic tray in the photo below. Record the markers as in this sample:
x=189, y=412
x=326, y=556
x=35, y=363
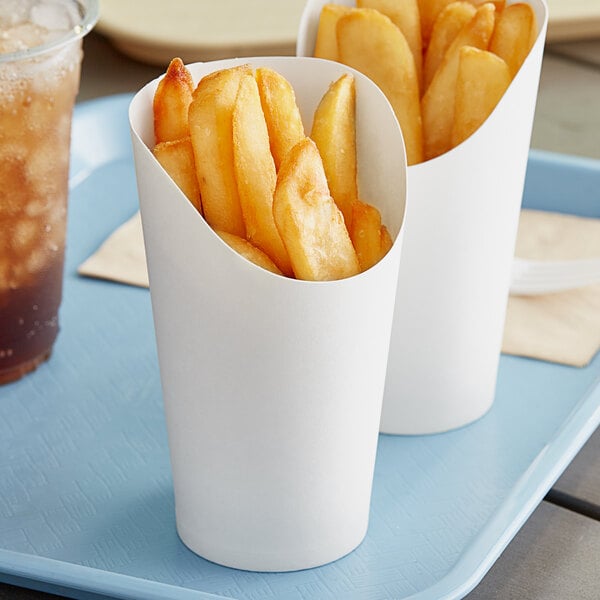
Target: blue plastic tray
x=86, y=505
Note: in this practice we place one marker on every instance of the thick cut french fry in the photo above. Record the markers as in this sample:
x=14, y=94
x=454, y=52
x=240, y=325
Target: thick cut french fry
x=499, y=4
x=482, y=80
x=429, y=11
x=372, y=44
x=371, y=239
x=514, y=35
x=171, y=101
x=445, y=29
x=248, y=251
x=334, y=132
x=309, y=222
x=438, y=101
x=177, y=159
x=282, y=114
x=255, y=173
x=405, y=15
x=326, y=42
x=210, y=120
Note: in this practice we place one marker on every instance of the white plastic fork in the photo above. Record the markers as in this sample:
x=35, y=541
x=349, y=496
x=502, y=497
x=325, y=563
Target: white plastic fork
x=535, y=277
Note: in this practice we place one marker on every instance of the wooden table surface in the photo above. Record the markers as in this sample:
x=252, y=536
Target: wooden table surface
x=556, y=555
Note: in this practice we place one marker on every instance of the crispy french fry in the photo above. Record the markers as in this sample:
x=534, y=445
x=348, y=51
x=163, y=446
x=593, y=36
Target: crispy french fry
x=210, y=121
x=371, y=239
x=514, y=35
x=405, y=15
x=372, y=44
x=255, y=173
x=449, y=22
x=171, y=101
x=282, y=115
x=429, y=11
x=177, y=159
x=439, y=99
x=326, y=42
x=499, y=4
x=334, y=132
x=310, y=224
x=482, y=79
x=248, y=251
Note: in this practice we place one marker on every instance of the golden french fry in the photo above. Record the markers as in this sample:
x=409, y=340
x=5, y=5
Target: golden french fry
x=210, y=121
x=429, y=11
x=248, y=251
x=482, y=80
x=405, y=15
x=372, y=44
x=255, y=173
x=514, y=35
x=326, y=42
x=171, y=101
x=371, y=239
x=282, y=114
x=438, y=102
x=334, y=132
x=499, y=4
x=445, y=29
x=177, y=159
x=309, y=222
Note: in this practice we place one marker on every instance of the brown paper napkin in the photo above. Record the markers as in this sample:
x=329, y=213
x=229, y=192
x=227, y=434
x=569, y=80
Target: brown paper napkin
x=121, y=257
x=562, y=327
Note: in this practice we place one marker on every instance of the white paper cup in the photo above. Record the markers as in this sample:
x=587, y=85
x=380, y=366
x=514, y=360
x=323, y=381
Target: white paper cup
x=272, y=387
x=461, y=225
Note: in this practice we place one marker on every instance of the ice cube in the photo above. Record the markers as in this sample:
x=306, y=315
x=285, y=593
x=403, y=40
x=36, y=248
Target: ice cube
x=22, y=36
x=25, y=234
x=37, y=260
x=55, y=15
x=14, y=12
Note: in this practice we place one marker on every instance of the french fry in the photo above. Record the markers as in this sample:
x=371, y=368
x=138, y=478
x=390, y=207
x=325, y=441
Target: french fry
x=499, y=4
x=334, y=133
x=439, y=99
x=405, y=15
x=372, y=44
x=255, y=173
x=482, y=79
x=210, y=122
x=309, y=222
x=514, y=35
x=371, y=239
x=429, y=11
x=282, y=115
x=445, y=29
x=326, y=42
x=171, y=101
x=248, y=251
x=177, y=159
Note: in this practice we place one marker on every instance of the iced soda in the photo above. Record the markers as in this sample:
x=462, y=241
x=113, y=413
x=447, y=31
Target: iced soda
x=40, y=57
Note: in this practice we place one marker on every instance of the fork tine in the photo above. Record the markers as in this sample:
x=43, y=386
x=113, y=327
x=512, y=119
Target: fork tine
x=539, y=277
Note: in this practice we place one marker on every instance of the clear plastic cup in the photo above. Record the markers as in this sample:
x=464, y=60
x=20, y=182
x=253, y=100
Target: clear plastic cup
x=40, y=59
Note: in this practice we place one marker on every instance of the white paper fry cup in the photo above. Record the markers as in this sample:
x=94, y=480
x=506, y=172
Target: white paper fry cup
x=272, y=386
x=461, y=225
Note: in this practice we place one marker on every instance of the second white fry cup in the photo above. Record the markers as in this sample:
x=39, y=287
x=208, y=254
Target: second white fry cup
x=461, y=225
x=272, y=387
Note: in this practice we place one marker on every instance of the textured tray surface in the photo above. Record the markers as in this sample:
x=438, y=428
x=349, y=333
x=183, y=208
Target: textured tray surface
x=85, y=489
